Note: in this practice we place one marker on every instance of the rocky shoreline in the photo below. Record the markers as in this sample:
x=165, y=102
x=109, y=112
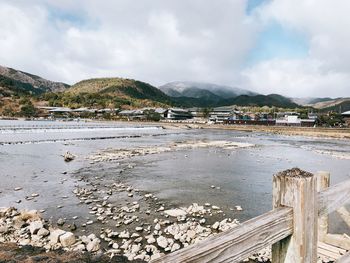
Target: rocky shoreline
x=185, y=226
x=141, y=229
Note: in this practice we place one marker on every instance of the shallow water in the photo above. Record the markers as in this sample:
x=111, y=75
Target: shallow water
x=31, y=158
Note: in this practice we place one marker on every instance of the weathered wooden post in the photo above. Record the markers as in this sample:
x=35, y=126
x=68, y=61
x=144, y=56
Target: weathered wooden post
x=323, y=179
x=297, y=189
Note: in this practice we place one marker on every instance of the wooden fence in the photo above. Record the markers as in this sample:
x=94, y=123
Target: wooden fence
x=296, y=227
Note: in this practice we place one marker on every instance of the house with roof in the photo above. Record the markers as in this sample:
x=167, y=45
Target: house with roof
x=221, y=114
x=346, y=116
x=178, y=114
x=294, y=120
x=132, y=114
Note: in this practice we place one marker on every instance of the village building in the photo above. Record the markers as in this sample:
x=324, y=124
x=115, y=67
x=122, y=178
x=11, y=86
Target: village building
x=178, y=114
x=294, y=120
x=197, y=112
x=221, y=114
x=346, y=116
x=132, y=114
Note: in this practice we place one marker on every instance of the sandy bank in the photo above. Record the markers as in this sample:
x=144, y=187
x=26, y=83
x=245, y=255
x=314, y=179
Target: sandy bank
x=123, y=153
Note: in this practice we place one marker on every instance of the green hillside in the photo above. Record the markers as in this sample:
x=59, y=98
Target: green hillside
x=114, y=92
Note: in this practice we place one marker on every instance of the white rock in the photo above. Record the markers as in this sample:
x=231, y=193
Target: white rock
x=238, y=208
x=43, y=232
x=79, y=247
x=155, y=256
x=135, y=248
x=151, y=240
x=215, y=225
x=55, y=234
x=128, y=221
x=175, y=212
x=67, y=239
x=162, y=242
x=191, y=234
x=138, y=240
x=35, y=226
x=141, y=256
x=93, y=246
x=124, y=234
x=134, y=235
x=175, y=247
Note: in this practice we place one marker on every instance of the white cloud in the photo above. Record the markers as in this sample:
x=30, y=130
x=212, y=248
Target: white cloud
x=296, y=78
x=159, y=41
x=326, y=69
x=155, y=41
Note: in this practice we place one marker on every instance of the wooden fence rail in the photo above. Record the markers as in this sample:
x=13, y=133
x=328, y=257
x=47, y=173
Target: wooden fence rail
x=294, y=228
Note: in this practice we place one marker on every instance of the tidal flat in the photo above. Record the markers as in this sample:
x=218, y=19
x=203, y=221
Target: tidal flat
x=128, y=180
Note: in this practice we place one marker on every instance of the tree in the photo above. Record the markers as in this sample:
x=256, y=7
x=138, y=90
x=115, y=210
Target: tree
x=28, y=110
x=151, y=115
x=206, y=112
x=8, y=111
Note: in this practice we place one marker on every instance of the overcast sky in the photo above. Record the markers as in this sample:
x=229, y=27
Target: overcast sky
x=294, y=48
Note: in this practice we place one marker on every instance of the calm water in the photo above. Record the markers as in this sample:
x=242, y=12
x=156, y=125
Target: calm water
x=30, y=157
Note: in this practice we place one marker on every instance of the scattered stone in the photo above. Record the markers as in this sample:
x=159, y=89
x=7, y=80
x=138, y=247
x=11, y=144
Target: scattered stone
x=18, y=188
x=175, y=212
x=151, y=240
x=43, y=232
x=93, y=245
x=55, y=235
x=215, y=225
x=162, y=242
x=3, y=229
x=115, y=246
x=73, y=227
x=175, y=247
x=35, y=226
x=61, y=222
x=124, y=234
x=67, y=239
x=238, y=208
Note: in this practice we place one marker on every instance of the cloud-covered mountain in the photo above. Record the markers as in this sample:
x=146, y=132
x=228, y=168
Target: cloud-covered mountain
x=211, y=95
x=202, y=90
